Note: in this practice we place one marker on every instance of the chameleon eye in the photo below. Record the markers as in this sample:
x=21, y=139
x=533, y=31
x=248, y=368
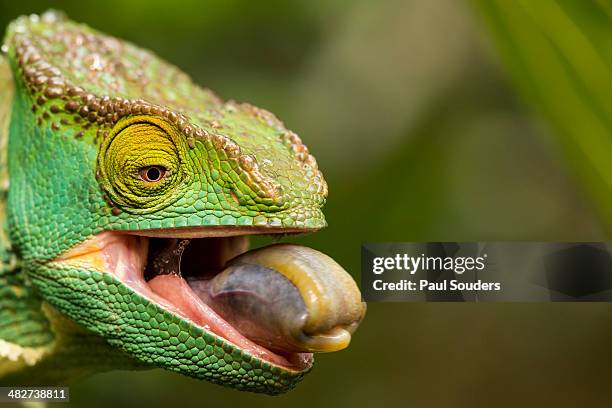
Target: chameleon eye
x=140, y=164
x=152, y=174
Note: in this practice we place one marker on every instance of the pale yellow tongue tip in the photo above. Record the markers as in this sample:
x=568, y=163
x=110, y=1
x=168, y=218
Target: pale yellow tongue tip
x=334, y=340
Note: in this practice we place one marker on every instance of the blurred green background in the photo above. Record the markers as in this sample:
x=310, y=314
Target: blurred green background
x=432, y=120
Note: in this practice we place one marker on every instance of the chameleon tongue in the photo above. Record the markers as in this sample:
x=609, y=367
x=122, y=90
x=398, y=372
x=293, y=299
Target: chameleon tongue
x=287, y=298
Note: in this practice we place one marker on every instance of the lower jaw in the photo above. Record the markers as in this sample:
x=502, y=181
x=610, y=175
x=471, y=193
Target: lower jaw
x=125, y=256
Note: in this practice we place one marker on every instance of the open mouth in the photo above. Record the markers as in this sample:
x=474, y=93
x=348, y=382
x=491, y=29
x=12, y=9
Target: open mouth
x=278, y=303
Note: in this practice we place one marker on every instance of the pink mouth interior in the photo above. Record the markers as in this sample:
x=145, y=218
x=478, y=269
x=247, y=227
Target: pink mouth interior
x=125, y=256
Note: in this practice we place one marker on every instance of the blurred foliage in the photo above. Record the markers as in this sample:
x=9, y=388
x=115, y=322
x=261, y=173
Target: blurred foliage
x=420, y=137
x=559, y=53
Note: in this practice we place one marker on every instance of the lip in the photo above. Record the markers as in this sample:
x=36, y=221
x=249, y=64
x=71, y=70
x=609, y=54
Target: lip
x=217, y=231
x=125, y=255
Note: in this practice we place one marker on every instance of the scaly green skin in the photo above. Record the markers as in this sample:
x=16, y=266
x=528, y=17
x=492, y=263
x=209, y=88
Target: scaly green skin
x=84, y=108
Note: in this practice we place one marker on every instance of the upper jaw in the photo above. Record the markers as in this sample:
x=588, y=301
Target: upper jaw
x=217, y=231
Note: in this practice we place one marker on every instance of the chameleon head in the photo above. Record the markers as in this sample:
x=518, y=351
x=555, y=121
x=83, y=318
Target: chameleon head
x=133, y=193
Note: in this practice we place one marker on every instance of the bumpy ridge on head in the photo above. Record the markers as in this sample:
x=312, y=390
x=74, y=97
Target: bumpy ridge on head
x=84, y=82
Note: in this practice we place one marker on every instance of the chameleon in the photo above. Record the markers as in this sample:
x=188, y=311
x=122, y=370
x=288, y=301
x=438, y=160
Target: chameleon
x=128, y=195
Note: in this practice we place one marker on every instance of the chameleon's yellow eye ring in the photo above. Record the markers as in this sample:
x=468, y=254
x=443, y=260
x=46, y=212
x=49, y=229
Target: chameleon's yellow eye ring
x=140, y=164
